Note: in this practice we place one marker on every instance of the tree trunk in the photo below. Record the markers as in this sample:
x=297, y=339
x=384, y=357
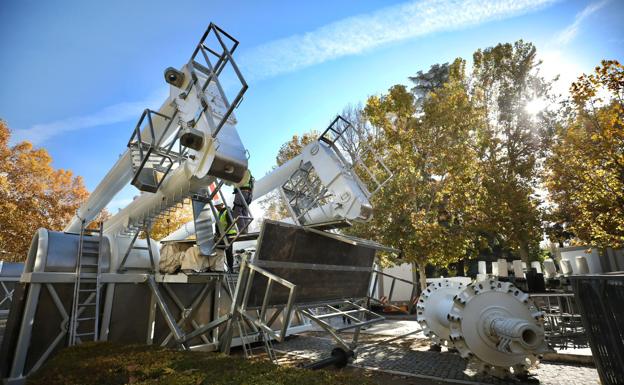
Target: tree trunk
x=524, y=252
x=459, y=268
x=415, y=271
x=422, y=275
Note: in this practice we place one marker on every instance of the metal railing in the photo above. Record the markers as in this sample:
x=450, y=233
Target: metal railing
x=347, y=143
x=562, y=320
x=210, y=61
x=148, y=156
x=387, y=300
x=259, y=324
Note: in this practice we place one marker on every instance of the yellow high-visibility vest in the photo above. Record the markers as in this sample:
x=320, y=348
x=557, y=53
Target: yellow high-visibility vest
x=224, y=223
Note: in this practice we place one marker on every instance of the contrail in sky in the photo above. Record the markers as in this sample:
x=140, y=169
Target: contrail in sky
x=365, y=32
x=349, y=36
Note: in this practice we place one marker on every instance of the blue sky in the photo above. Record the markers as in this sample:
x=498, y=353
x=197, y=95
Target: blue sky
x=77, y=74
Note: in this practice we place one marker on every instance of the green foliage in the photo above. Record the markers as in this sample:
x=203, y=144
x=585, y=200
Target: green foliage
x=427, y=209
x=108, y=363
x=585, y=175
x=468, y=159
x=510, y=143
x=466, y=156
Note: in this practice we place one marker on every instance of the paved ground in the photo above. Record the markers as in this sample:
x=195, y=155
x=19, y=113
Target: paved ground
x=383, y=349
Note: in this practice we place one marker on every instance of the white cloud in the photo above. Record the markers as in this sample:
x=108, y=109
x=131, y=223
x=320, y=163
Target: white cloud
x=117, y=113
x=570, y=32
x=556, y=63
x=348, y=36
x=364, y=32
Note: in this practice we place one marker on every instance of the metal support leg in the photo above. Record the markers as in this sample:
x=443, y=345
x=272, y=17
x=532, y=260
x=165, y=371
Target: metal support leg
x=173, y=326
x=23, y=340
x=107, y=311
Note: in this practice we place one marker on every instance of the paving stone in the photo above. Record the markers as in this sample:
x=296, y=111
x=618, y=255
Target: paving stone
x=442, y=365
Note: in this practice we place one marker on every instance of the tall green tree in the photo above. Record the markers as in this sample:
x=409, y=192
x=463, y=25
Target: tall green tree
x=510, y=143
x=427, y=82
x=585, y=174
x=427, y=208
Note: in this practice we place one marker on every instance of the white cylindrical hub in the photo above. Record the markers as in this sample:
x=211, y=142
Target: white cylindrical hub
x=433, y=308
x=497, y=326
x=525, y=333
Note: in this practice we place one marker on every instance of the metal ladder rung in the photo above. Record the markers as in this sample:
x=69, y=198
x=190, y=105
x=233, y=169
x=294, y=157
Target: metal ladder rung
x=357, y=325
x=86, y=282
x=331, y=315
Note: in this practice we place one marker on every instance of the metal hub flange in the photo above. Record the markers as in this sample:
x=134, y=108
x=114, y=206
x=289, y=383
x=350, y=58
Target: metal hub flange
x=433, y=308
x=497, y=326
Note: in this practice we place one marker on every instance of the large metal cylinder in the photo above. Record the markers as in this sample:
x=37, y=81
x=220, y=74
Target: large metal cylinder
x=491, y=322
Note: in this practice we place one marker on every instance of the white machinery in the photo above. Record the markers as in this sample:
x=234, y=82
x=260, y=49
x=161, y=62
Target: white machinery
x=490, y=322
x=78, y=285
x=320, y=185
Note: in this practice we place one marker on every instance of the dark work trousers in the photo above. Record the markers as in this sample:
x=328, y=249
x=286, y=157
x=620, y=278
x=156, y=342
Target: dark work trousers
x=239, y=210
x=229, y=258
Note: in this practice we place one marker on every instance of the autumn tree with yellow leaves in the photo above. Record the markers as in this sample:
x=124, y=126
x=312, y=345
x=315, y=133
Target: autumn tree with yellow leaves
x=32, y=195
x=585, y=174
x=168, y=223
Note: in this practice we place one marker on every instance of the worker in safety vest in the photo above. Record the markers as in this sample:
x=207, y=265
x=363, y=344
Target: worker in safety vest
x=224, y=223
x=242, y=201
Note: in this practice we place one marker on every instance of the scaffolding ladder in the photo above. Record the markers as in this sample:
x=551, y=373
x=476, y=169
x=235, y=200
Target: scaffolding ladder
x=84, y=319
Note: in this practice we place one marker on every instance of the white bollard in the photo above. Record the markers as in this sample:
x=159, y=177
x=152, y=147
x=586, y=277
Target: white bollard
x=482, y=267
x=502, y=268
x=582, y=265
x=550, y=270
x=517, y=269
x=537, y=266
x=566, y=267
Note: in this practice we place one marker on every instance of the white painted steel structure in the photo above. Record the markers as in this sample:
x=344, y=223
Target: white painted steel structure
x=490, y=322
x=197, y=118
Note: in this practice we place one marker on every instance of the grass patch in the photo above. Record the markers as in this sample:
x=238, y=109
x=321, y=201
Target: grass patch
x=109, y=363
